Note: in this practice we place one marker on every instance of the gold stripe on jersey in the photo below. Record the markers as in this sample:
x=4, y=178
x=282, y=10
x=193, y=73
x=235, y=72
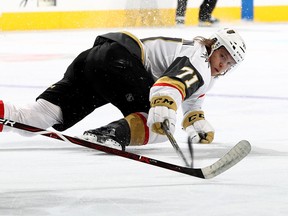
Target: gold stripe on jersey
x=192, y=117
x=167, y=81
x=138, y=42
x=137, y=129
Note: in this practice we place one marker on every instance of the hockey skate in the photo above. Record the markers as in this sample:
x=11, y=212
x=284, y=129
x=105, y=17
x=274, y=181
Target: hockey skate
x=211, y=21
x=180, y=21
x=104, y=137
x=115, y=135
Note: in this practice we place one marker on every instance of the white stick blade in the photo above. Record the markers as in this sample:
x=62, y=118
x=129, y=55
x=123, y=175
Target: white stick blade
x=236, y=154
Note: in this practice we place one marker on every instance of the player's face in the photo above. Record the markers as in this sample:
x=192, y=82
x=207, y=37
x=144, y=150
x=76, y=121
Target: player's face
x=220, y=61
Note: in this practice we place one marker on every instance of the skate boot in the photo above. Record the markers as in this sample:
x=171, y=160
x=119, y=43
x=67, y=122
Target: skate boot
x=180, y=21
x=210, y=21
x=115, y=135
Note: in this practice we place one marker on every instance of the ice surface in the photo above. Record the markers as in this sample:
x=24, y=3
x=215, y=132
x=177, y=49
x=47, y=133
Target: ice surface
x=41, y=176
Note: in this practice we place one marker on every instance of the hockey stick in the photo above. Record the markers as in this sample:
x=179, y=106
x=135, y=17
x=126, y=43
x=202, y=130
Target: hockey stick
x=172, y=140
x=191, y=151
x=236, y=154
x=190, y=147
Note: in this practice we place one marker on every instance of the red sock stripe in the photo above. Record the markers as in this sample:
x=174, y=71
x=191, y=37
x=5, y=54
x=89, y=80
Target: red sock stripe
x=145, y=127
x=1, y=113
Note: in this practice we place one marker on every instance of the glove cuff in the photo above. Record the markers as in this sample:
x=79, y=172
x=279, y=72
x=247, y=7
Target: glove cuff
x=191, y=117
x=163, y=101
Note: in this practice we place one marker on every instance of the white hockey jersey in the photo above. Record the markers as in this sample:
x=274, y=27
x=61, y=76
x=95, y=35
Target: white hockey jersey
x=161, y=53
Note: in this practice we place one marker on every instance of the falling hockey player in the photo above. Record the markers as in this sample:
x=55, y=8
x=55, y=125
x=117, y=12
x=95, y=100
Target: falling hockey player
x=146, y=79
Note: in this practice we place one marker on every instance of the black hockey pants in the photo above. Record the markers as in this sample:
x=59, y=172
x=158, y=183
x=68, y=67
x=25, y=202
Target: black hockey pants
x=106, y=73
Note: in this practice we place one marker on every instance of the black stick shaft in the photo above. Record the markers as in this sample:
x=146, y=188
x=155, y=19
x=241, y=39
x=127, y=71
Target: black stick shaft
x=192, y=172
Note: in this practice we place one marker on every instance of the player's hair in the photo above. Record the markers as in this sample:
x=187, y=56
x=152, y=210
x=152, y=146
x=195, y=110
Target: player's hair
x=207, y=42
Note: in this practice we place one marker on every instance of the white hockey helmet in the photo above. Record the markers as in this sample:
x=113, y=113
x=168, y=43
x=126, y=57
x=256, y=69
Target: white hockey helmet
x=232, y=41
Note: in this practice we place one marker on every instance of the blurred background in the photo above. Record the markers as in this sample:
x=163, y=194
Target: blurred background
x=79, y=14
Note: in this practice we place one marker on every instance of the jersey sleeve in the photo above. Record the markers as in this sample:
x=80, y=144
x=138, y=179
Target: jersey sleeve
x=192, y=104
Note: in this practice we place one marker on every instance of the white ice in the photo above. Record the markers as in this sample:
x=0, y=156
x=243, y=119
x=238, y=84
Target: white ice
x=41, y=176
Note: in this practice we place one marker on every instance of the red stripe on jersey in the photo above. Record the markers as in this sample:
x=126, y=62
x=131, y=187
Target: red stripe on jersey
x=201, y=95
x=145, y=127
x=1, y=113
x=166, y=84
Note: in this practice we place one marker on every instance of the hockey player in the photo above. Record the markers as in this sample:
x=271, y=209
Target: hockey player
x=205, y=17
x=147, y=80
